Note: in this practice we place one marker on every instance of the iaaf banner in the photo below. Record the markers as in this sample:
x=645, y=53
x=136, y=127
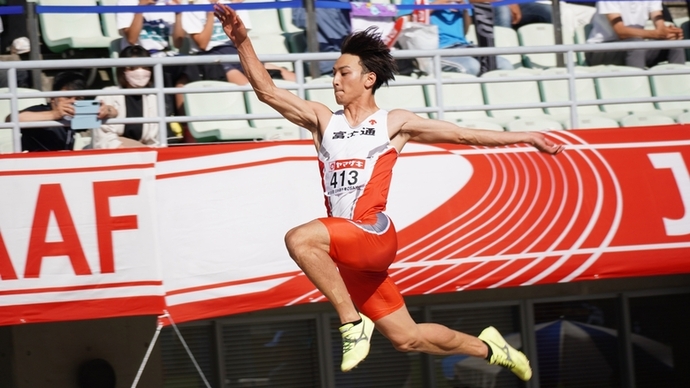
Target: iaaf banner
x=198, y=231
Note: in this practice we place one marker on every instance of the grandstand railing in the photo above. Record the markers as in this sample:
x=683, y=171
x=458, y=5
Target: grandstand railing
x=300, y=86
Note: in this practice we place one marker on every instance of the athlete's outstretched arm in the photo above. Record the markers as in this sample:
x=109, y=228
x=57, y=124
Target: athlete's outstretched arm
x=301, y=112
x=411, y=127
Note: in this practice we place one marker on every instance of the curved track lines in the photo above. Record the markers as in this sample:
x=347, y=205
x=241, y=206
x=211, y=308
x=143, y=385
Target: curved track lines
x=517, y=247
x=491, y=230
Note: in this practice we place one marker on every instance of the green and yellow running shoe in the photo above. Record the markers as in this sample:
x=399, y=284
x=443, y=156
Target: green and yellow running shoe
x=356, y=342
x=505, y=355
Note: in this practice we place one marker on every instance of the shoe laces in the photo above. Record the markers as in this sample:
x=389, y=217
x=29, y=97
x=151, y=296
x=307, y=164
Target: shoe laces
x=348, y=344
x=350, y=339
x=504, y=362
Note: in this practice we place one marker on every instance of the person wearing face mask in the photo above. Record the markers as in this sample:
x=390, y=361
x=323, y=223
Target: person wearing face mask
x=129, y=106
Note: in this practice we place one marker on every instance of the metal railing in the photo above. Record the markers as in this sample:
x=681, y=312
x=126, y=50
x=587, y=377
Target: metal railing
x=301, y=85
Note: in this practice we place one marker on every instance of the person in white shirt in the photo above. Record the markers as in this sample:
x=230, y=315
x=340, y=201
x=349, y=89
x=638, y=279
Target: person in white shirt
x=158, y=33
x=129, y=106
x=207, y=38
x=625, y=21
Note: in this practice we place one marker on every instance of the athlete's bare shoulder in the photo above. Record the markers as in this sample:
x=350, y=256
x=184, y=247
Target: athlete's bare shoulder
x=397, y=118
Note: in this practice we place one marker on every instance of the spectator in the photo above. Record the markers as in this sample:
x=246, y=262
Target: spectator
x=155, y=31
x=127, y=106
x=518, y=15
x=573, y=16
x=333, y=25
x=14, y=37
x=625, y=21
x=61, y=109
x=208, y=38
x=13, y=41
x=452, y=27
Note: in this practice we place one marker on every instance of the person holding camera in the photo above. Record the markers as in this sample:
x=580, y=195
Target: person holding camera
x=61, y=109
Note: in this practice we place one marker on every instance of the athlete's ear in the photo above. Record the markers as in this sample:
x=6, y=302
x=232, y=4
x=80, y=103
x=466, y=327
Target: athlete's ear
x=370, y=80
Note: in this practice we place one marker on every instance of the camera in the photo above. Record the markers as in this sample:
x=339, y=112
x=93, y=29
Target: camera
x=86, y=115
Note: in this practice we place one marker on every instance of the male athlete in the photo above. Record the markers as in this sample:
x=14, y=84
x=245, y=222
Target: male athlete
x=347, y=254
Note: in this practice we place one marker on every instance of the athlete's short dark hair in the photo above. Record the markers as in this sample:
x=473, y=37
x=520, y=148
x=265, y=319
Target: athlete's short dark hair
x=373, y=54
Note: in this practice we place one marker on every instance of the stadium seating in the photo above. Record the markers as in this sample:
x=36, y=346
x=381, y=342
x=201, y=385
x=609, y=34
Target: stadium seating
x=402, y=96
x=558, y=91
x=644, y=120
x=540, y=34
x=671, y=86
x=533, y=124
x=684, y=118
x=479, y=124
x=459, y=95
x=591, y=122
x=63, y=32
x=512, y=92
x=325, y=95
x=22, y=103
x=282, y=127
x=503, y=37
x=109, y=21
x=229, y=102
x=626, y=87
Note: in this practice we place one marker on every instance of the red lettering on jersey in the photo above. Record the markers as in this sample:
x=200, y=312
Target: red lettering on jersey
x=6, y=269
x=107, y=224
x=51, y=200
x=347, y=163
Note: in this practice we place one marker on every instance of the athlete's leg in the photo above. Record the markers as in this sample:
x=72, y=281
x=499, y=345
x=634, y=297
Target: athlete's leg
x=432, y=338
x=408, y=336
x=309, y=245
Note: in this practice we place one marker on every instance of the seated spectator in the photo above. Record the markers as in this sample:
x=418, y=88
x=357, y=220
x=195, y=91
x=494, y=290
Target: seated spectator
x=518, y=15
x=61, y=109
x=452, y=27
x=624, y=21
x=154, y=32
x=333, y=25
x=14, y=37
x=128, y=106
x=208, y=38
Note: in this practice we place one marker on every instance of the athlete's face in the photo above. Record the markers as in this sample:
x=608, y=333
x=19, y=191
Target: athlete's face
x=350, y=81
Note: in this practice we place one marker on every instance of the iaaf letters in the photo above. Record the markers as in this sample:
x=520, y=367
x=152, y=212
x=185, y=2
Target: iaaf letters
x=199, y=230
x=51, y=202
x=74, y=230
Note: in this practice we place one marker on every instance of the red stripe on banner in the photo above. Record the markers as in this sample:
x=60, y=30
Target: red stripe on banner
x=196, y=150
x=281, y=296
x=639, y=263
x=232, y=283
x=235, y=167
x=78, y=169
x=83, y=309
x=72, y=154
x=81, y=287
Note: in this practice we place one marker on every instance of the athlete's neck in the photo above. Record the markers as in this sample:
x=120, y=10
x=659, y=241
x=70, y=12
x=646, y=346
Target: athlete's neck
x=356, y=113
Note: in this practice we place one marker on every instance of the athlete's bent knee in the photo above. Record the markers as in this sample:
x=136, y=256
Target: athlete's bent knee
x=294, y=240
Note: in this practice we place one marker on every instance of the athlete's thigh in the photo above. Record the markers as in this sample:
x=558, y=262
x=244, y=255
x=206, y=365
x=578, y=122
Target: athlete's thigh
x=362, y=246
x=374, y=293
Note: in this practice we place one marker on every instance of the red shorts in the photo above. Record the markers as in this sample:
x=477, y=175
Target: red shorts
x=363, y=252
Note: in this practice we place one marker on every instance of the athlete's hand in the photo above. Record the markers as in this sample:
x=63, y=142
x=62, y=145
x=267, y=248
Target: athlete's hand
x=544, y=144
x=232, y=25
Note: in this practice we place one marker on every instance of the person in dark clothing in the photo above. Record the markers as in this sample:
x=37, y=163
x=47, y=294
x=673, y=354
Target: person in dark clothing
x=60, y=109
